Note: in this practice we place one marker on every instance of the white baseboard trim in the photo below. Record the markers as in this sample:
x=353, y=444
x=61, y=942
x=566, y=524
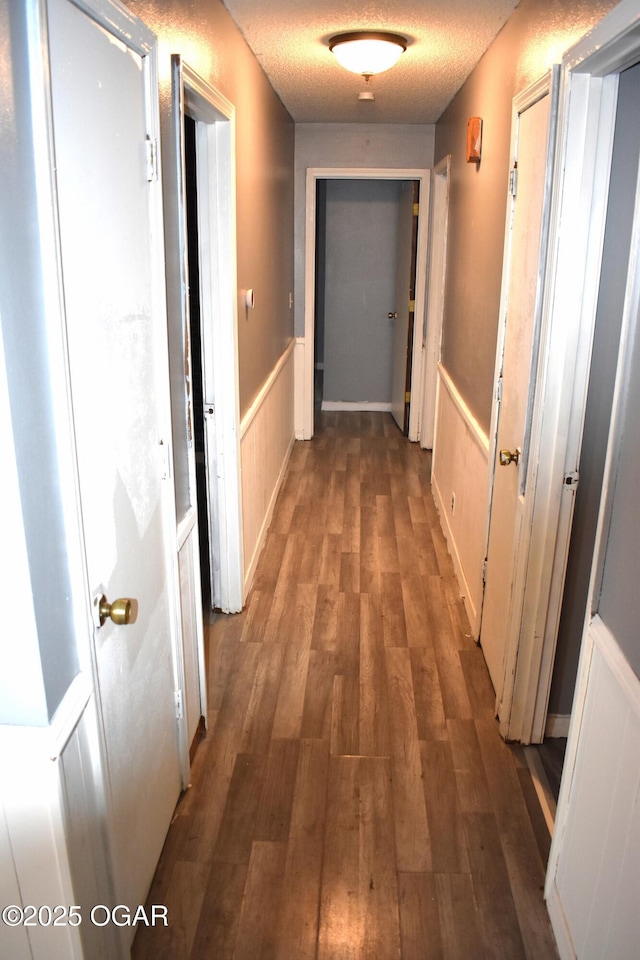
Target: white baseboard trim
x=372, y=407
x=557, y=725
x=542, y=788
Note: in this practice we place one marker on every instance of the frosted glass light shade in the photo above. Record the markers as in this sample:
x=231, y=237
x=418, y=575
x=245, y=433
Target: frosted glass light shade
x=367, y=52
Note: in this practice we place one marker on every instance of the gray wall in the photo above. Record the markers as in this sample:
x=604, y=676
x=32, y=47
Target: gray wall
x=360, y=276
x=535, y=35
x=624, y=171
x=208, y=40
x=350, y=145
x=28, y=319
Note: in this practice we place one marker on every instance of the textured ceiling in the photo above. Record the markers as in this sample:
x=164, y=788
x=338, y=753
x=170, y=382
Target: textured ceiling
x=446, y=40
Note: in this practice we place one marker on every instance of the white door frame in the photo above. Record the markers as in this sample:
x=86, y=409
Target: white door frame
x=591, y=71
x=363, y=173
x=432, y=334
x=216, y=166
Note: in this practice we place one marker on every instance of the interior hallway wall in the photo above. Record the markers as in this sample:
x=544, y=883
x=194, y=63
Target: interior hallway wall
x=210, y=43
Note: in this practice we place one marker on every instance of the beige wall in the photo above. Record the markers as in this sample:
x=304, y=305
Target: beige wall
x=536, y=35
x=208, y=40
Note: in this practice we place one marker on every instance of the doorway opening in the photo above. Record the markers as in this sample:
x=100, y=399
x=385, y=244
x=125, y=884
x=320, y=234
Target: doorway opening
x=320, y=183
x=366, y=240
x=205, y=130
x=195, y=340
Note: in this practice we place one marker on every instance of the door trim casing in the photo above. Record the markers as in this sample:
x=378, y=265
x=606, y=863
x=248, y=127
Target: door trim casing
x=432, y=331
x=215, y=138
x=314, y=174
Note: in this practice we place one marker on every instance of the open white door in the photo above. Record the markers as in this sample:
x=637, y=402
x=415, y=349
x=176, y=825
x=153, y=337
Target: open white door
x=105, y=129
x=516, y=373
x=214, y=254
x=405, y=304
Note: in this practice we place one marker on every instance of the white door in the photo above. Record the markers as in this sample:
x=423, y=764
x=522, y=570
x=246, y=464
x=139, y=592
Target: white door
x=404, y=307
x=516, y=382
x=214, y=257
x=103, y=89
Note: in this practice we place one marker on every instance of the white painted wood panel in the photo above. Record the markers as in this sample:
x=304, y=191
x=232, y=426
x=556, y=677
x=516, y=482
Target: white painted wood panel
x=14, y=941
x=593, y=894
x=460, y=478
x=267, y=436
x=82, y=791
x=195, y=704
x=31, y=805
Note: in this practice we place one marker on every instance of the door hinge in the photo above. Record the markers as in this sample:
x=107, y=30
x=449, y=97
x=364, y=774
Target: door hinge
x=571, y=479
x=484, y=570
x=412, y=306
x=152, y=159
x=179, y=705
x=416, y=209
x=407, y=397
x=513, y=180
x=499, y=389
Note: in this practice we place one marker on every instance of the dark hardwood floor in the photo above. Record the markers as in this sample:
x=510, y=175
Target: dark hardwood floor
x=353, y=799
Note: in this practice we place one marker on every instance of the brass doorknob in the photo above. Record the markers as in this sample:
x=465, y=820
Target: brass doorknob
x=508, y=456
x=119, y=611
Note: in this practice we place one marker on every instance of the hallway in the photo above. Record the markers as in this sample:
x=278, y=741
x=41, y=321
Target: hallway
x=352, y=798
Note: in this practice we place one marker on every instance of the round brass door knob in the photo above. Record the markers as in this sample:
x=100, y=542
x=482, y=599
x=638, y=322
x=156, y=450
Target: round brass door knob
x=509, y=456
x=119, y=611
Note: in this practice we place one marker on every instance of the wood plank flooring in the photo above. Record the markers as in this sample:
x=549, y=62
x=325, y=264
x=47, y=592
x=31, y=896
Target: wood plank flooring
x=352, y=799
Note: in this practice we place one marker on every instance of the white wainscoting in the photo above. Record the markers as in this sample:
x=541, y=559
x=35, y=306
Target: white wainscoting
x=594, y=874
x=267, y=436
x=303, y=411
x=49, y=851
x=460, y=479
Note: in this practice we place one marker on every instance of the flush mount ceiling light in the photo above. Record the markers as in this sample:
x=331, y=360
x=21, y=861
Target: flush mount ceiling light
x=367, y=51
